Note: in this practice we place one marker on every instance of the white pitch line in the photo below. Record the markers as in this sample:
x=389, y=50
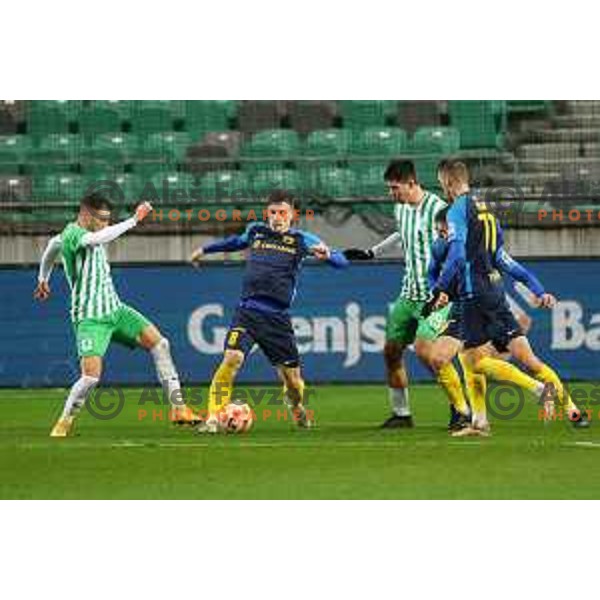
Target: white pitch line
x=585, y=444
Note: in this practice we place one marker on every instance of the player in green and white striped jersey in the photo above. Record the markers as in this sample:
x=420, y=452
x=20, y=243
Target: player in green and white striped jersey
x=97, y=313
x=414, y=212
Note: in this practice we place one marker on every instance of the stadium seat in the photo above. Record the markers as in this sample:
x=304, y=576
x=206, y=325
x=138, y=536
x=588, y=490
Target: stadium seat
x=202, y=116
x=380, y=142
x=224, y=185
x=370, y=180
x=155, y=119
x=328, y=142
x=412, y=115
x=279, y=145
x=202, y=158
x=216, y=152
x=276, y=179
x=310, y=115
x=169, y=187
x=426, y=167
x=44, y=119
x=442, y=140
x=65, y=186
x=15, y=188
x=333, y=182
x=124, y=108
x=230, y=140
x=258, y=115
x=54, y=153
x=110, y=148
x=98, y=119
x=13, y=149
x=170, y=146
x=481, y=122
x=358, y=114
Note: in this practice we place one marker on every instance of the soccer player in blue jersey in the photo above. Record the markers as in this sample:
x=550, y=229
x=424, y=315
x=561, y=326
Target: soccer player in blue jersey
x=519, y=347
x=469, y=273
x=275, y=255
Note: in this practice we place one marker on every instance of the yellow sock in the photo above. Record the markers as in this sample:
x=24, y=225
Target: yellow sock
x=448, y=378
x=476, y=385
x=503, y=371
x=221, y=386
x=548, y=375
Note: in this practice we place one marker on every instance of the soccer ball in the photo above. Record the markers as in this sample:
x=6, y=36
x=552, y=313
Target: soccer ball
x=236, y=418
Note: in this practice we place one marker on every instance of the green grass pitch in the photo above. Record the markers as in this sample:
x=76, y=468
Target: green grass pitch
x=346, y=456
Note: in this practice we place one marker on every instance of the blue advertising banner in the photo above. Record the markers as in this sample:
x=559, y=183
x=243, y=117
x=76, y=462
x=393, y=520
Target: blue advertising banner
x=339, y=318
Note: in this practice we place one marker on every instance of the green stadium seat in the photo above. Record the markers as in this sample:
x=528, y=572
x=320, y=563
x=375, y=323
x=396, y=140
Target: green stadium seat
x=225, y=185
x=333, y=182
x=99, y=119
x=328, y=142
x=203, y=116
x=273, y=143
x=380, y=141
x=13, y=149
x=481, y=122
x=358, y=114
x=54, y=154
x=152, y=120
x=276, y=179
x=110, y=148
x=426, y=167
x=124, y=108
x=15, y=188
x=439, y=140
x=280, y=145
x=66, y=187
x=370, y=180
x=44, y=119
x=169, y=187
x=170, y=145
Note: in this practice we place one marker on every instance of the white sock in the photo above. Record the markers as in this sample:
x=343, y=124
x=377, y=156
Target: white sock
x=78, y=395
x=399, y=402
x=166, y=372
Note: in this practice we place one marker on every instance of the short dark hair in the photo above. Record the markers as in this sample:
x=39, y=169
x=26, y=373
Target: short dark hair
x=401, y=170
x=441, y=217
x=96, y=201
x=281, y=197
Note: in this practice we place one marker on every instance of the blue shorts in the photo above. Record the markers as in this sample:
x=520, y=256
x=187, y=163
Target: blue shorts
x=271, y=331
x=484, y=318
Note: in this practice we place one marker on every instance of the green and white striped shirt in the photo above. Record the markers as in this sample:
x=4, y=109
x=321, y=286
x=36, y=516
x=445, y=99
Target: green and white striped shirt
x=416, y=227
x=93, y=294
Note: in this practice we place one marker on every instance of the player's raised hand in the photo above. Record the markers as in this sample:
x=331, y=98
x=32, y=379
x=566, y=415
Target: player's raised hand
x=321, y=251
x=142, y=211
x=358, y=254
x=547, y=301
x=42, y=291
x=196, y=257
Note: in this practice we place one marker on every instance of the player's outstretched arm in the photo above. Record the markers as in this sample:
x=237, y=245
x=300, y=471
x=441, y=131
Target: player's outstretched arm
x=111, y=233
x=51, y=252
x=358, y=254
x=233, y=243
x=507, y=264
x=314, y=246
